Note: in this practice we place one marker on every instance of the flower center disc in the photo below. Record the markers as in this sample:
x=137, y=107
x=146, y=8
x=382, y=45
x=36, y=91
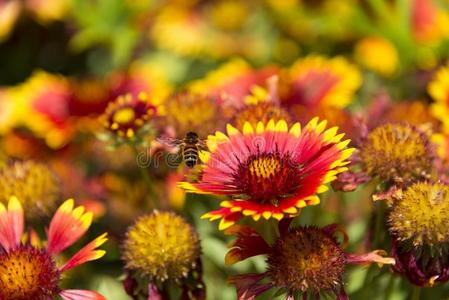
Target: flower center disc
x=267, y=178
x=28, y=273
x=124, y=115
x=306, y=259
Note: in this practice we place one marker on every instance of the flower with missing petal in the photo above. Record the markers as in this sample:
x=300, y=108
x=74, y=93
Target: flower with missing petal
x=161, y=245
x=30, y=272
x=397, y=152
x=417, y=223
x=162, y=248
x=35, y=184
x=269, y=170
x=302, y=261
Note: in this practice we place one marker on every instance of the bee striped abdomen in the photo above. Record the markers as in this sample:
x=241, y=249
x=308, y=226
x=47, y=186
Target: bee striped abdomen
x=190, y=155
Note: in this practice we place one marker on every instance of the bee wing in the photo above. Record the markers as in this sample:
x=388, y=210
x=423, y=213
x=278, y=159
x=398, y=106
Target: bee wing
x=202, y=145
x=169, y=141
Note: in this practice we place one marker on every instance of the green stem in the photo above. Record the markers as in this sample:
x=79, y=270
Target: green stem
x=146, y=179
x=390, y=286
x=416, y=293
x=378, y=225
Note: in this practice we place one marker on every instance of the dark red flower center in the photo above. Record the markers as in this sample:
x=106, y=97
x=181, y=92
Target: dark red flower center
x=28, y=273
x=267, y=178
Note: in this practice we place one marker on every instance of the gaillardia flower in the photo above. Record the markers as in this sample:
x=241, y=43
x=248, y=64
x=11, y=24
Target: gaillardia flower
x=420, y=214
x=319, y=81
x=127, y=115
x=260, y=112
x=418, y=225
x=269, y=170
x=232, y=82
x=30, y=272
x=302, y=261
x=36, y=186
x=161, y=246
x=398, y=152
x=192, y=112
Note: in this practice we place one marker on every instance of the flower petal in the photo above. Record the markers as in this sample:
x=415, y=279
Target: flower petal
x=249, y=243
x=11, y=224
x=81, y=295
x=248, y=286
x=377, y=256
x=67, y=226
x=87, y=253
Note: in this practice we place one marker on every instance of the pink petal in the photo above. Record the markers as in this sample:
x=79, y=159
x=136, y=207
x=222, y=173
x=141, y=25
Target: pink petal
x=11, y=224
x=67, y=226
x=81, y=295
x=87, y=253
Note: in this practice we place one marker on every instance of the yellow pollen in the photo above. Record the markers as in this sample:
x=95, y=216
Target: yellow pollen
x=34, y=184
x=264, y=167
x=124, y=115
x=421, y=214
x=396, y=150
x=27, y=274
x=161, y=245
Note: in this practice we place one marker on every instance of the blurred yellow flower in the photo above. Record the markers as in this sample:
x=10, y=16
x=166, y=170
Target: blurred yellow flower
x=9, y=13
x=438, y=89
x=377, y=54
x=48, y=10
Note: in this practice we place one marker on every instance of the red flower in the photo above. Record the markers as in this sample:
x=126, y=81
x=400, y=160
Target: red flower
x=269, y=170
x=30, y=272
x=302, y=260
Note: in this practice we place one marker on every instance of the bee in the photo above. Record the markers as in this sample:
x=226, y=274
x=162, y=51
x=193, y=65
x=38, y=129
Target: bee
x=189, y=147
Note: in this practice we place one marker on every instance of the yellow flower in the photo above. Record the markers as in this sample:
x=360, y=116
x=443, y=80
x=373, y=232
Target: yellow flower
x=377, y=54
x=35, y=185
x=49, y=10
x=421, y=214
x=9, y=12
x=161, y=245
x=180, y=30
x=394, y=151
x=192, y=112
x=438, y=89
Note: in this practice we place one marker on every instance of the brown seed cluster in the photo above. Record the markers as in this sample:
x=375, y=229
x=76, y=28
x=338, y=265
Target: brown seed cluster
x=397, y=151
x=421, y=214
x=306, y=259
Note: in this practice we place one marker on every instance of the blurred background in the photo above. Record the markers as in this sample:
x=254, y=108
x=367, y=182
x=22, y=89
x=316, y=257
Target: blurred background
x=62, y=62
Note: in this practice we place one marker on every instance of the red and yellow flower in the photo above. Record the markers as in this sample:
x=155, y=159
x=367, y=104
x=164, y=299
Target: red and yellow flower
x=128, y=114
x=28, y=271
x=270, y=170
x=319, y=81
x=232, y=82
x=45, y=96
